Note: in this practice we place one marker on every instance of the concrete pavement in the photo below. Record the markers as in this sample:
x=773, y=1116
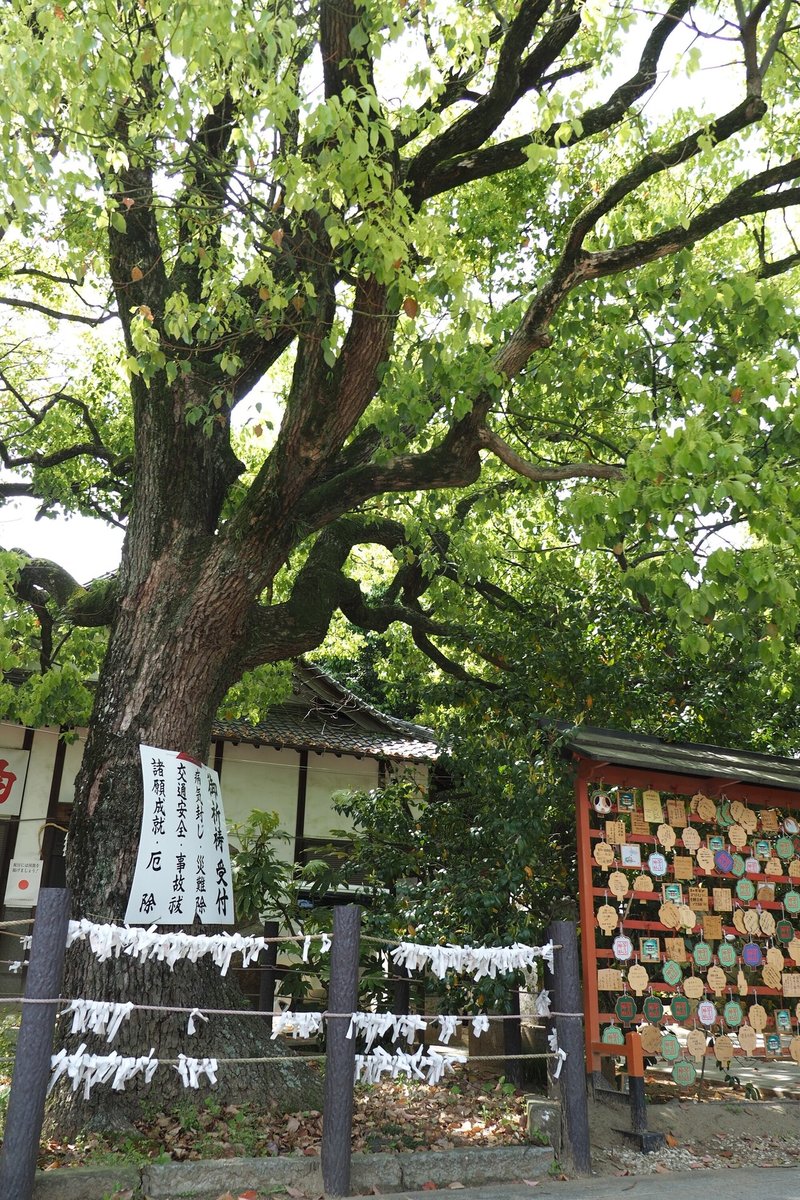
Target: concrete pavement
x=764, y=1183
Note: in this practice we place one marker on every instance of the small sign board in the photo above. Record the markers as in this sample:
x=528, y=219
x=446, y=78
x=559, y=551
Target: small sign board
x=24, y=879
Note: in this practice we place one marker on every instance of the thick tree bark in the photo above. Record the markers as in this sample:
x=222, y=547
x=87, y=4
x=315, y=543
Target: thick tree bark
x=169, y=663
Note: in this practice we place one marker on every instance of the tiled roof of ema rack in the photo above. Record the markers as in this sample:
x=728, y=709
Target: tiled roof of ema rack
x=324, y=716
x=683, y=758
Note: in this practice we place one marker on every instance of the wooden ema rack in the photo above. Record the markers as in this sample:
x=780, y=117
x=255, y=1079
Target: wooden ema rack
x=641, y=909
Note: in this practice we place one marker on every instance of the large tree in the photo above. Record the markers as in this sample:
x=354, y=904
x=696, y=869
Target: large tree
x=442, y=246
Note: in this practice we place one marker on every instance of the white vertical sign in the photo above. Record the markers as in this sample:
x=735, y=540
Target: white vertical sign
x=183, y=868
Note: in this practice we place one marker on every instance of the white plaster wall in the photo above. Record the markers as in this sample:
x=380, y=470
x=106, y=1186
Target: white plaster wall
x=37, y=793
x=263, y=778
x=327, y=773
x=72, y=762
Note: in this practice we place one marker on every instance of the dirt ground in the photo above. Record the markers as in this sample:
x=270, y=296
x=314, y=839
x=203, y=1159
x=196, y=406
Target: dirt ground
x=708, y=1133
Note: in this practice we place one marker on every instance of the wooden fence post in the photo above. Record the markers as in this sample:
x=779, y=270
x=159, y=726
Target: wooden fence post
x=34, y=1046
x=564, y=985
x=266, y=980
x=337, y=1117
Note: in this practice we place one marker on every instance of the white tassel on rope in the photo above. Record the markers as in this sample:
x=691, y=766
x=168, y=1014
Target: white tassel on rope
x=478, y=961
x=191, y=1070
x=92, y=1069
x=111, y=941
x=97, y=1016
x=298, y=1024
x=561, y=1055
x=428, y=1067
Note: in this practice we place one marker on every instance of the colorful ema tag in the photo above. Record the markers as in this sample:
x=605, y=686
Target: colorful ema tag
x=657, y=865
x=706, y=1012
x=681, y=1008
x=723, y=861
x=732, y=1012
x=791, y=902
x=726, y=954
x=751, y=954
x=672, y=973
x=653, y=1010
x=684, y=1073
x=625, y=1009
x=622, y=947
x=702, y=954
x=613, y=1036
x=670, y=1047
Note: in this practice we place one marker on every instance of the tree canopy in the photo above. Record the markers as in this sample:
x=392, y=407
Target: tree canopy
x=427, y=248
x=372, y=310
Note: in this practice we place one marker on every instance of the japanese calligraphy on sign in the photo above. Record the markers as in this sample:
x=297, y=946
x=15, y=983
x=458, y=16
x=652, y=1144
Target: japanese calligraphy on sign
x=183, y=867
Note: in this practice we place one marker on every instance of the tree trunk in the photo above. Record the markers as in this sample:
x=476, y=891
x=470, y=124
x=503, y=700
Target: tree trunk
x=170, y=660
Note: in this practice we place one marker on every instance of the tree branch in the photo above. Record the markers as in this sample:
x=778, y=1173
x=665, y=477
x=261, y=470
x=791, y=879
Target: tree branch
x=490, y=441
x=448, y=174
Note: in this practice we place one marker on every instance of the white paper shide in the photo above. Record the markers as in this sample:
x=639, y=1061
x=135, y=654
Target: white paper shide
x=183, y=868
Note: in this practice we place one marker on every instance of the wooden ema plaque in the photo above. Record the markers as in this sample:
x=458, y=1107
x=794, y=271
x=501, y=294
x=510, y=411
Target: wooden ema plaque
x=699, y=880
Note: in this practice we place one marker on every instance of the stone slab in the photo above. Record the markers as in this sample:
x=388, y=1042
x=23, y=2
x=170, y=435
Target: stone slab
x=206, y=1180
x=473, y=1168
x=84, y=1183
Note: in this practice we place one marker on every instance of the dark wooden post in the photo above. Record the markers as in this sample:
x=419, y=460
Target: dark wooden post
x=512, y=1041
x=34, y=1046
x=564, y=985
x=635, y=1063
x=337, y=1117
x=266, y=982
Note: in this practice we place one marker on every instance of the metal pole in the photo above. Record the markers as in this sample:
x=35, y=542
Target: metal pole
x=564, y=984
x=266, y=983
x=337, y=1117
x=34, y=1046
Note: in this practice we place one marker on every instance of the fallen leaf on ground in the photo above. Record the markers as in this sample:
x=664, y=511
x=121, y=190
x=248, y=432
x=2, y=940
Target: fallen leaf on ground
x=531, y=1182
x=429, y=1187
x=671, y=1140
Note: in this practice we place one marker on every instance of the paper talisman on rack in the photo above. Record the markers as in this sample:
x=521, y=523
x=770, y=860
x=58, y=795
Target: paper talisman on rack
x=604, y=855
x=609, y=980
x=749, y=820
x=766, y=923
x=769, y=820
x=793, y=870
x=793, y=950
x=741, y=983
x=723, y=1049
x=794, y=1049
x=630, y=855
x=618, y=884
x=670, y=1047
x=757, y=1017
x=747, y=1038
x=666, y=836
x=774, y=958
x=751, y=955
x=613, y=1036
x=705, y=859
x=698, y=899
x=694, y=987
x=643, y=883
x=650, y=1037
x=717, y=980
x=669, y=916
x=790, y=983
x=712, y=927
x=696, y=1043
x=723, y=900
x=773, y=866
x=752, y=923
x=651, y=807
x=691, y=839
x=771, y=977
x=682, y=867
x=737, y=837
x=607, y=918
x=622, y=948
x=675, y=949
x=615, y=832
x=639, y=826
x=676, y=813
x=638, y=979
x=706, y=809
